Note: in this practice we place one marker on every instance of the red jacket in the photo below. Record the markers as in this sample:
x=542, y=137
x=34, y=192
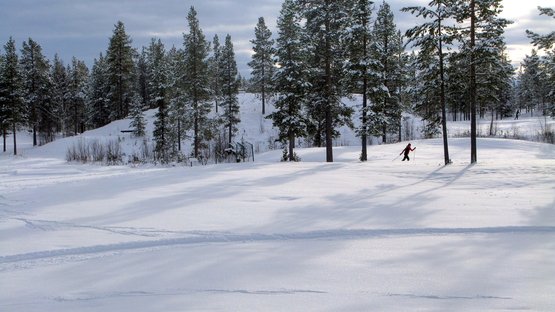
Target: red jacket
x=407, y=150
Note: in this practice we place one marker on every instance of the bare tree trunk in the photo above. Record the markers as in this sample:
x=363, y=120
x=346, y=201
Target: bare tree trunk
x=443, y=105
x=473, y=152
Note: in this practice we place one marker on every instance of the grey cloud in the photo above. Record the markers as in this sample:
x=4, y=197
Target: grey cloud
x=81, y=28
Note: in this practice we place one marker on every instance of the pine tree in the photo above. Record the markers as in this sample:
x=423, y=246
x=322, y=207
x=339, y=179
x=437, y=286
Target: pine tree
x=544, y=42
x=142, y=78
x=59, y=93
x=36, y=86
x=359, y=63
x=138, y=121
x=385, y=115
x=547, y=43
x=230, y=88
x=533, y=87
x=431, y=37
x=326, y=24
x=157, y=85
x=98, y=101
x=481, y=43
x=177, y=97
x=289, y=79
x=76, y=109
x=197, y=81
x=119, y=58
x=11, y=90
x=215, y=72
x=262, y=63
x=3, y=106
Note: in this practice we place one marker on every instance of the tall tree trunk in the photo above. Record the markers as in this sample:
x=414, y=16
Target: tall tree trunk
x=14, y=140
x=263, y=92
x=364, y=154
x=329, y=140
x=473, y=153
x=291, y=146
x=4, y=134
x=443, y=104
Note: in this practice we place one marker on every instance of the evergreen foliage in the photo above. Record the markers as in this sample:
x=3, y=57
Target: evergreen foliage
x=385, y=115
x=11, y=90
x=262, y=63
x=120, y=66
x=326, y=24
x=289, y=79
x=36, y=91
x=215, y=72
x=98, y=107
x=77, y=97
x=197, y=83
x=432, y=37
x=230, y=89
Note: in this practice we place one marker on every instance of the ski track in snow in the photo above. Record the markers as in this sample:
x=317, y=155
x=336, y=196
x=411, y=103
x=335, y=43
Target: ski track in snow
x=82, y=253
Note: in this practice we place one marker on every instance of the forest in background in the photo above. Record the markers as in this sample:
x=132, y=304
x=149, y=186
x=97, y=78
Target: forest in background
x=452, y=66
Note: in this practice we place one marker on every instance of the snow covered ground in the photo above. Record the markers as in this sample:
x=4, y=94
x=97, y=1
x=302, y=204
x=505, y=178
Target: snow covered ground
x=268, y=236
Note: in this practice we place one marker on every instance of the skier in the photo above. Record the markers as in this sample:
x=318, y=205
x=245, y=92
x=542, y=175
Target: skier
x=407, y=150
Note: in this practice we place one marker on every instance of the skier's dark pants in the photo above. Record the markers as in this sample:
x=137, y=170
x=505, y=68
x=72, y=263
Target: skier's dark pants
x=406, y=157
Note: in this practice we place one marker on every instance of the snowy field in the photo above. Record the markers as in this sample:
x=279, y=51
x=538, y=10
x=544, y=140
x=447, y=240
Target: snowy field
x=268, y=236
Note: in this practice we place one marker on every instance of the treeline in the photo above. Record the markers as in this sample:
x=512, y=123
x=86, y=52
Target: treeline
x=327, y=50
x=323, y=52
x=52, y=98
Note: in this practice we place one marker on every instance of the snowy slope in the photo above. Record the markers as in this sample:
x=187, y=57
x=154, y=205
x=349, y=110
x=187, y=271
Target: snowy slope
x=269, y=236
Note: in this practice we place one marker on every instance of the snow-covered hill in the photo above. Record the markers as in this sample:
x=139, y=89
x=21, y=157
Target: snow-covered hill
x=384, y=235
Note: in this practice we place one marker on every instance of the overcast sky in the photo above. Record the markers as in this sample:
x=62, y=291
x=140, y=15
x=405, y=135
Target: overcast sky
x=81, y=28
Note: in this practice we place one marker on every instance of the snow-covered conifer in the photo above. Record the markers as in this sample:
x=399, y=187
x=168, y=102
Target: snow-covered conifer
x=197, y=82
x=36, y=91
x=11, y=90
x=230, y=88
x=431, y=37
x=119, y=58
x=76, y=108
x=262, y=63
x=385, y=114
x=325, y=27
x=289, y=79
x=98, y=102
x=215, y=74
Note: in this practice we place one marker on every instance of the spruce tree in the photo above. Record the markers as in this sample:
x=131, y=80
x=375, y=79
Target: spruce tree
x=197, y=82
x=289, y=79
x=36, y=87
x=11, y=89
x=230, y=88
x=119, y=58
x=262, y=63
